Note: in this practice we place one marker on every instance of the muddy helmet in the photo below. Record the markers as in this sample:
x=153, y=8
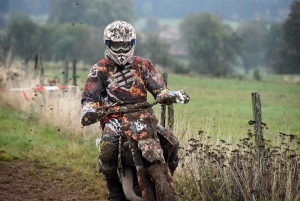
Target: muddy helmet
x=119, y=38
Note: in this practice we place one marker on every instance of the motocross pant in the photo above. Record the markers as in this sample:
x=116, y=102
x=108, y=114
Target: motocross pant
x=108, y=154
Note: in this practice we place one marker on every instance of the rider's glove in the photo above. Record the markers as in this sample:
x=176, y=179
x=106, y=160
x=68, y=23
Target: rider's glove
x=91, y=115
x=169, y=97
x=180, y=96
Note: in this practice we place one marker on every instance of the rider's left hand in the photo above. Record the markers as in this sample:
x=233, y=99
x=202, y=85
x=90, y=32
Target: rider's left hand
x=173, y=97
x=180, y=96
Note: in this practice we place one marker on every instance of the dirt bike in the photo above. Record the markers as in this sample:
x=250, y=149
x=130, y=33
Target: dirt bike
x=142, y=169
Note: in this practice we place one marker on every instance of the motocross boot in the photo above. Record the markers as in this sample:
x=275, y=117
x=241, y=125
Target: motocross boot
x=108, y=161
x=114, y=187
x=173, y=165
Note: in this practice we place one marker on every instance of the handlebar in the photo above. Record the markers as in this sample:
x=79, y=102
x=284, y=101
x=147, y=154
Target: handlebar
x=172, y=97
x=126, y=108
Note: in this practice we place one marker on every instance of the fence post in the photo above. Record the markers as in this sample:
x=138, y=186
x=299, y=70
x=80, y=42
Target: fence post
x=170, y=116
x=65, y=76
x=74, y=72
x=163, y=107
x=258, y=133
x=36, y=60
x=41, y=67
x=65, y=73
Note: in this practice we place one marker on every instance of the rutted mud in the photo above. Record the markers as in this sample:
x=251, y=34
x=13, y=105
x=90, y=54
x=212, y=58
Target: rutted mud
x=32, y=180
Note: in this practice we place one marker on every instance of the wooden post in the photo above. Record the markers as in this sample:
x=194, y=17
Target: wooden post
x=74, y=72
x=65, y=73
x=65, y=76
x=41, y=68
x=171, y=117
x=163, y=107
x=36, y=61
x=257, y=118
x=40, y=71
x=27, y=58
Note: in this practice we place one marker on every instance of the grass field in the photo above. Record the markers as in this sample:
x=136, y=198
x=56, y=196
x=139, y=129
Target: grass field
x=25, y=137
x=48, y=126
x=227, y=103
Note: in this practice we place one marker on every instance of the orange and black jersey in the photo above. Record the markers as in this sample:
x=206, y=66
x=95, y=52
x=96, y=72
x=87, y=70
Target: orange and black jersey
x=107, y=85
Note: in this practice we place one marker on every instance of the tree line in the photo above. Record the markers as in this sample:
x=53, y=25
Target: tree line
x=211, y=46
x=236, y=10
x=73, y=29
x=214, y=47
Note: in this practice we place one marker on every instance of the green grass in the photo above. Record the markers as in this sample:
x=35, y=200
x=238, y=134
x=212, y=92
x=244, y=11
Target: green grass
x=220, y=107
x=227, y=102
x=230, y=99
x=223, y=107
x=25, y=136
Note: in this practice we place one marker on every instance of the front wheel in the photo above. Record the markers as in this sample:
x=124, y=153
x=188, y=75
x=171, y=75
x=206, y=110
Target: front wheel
x=128, y=185
x=164, y=185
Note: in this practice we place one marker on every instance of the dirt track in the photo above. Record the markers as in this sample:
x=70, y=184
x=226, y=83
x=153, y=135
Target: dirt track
x=24, y=180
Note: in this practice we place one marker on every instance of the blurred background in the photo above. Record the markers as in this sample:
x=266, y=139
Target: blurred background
x=215, y=38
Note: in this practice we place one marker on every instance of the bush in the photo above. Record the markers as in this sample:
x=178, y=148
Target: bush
x=226, y=171
x=23, y=36
x=180, y=68
x=256, y=74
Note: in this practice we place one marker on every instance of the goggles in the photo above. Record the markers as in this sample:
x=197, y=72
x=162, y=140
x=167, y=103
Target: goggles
x=117, y=46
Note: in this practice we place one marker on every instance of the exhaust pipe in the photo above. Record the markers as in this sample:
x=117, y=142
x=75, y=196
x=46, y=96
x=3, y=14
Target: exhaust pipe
x=127, y=184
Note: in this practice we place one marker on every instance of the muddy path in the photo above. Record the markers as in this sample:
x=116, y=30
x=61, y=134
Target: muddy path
x=33, y=180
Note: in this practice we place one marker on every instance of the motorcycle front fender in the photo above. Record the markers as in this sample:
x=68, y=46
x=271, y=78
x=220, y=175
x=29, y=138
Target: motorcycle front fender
x=151, y=150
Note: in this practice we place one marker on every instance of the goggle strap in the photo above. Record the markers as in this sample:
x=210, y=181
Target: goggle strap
x=133, y=42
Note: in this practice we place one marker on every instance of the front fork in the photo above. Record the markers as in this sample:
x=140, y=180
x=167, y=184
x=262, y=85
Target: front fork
x=98, y=142
x=120, y=158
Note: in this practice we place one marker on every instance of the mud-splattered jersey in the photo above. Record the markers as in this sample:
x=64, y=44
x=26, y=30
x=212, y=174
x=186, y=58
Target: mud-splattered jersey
x=108, y=85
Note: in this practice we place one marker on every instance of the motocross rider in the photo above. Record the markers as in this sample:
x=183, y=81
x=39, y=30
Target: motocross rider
x=121, y=79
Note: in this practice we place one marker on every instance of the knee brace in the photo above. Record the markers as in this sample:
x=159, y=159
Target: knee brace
x=108, y=153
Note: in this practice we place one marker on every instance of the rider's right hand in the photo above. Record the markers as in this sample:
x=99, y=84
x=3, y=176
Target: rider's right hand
x=89, y=118
x=91, y=115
